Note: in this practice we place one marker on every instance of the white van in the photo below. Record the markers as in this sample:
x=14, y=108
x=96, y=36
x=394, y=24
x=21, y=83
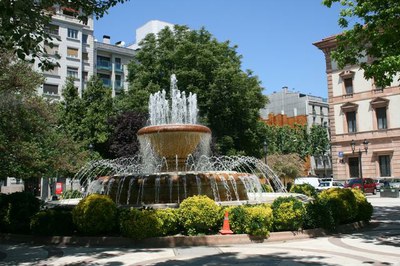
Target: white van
x=312, y=180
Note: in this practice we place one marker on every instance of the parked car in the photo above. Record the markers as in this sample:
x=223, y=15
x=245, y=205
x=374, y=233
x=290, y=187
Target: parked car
x=312, y=180
x=369, y=184
x=329, y=184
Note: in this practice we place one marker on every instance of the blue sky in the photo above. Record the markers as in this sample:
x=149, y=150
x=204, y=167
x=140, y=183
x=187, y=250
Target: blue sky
x=274, y=37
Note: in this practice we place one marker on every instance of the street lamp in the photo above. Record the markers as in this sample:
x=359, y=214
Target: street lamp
x=360, y=152
x=91, y=148
x=265, y=148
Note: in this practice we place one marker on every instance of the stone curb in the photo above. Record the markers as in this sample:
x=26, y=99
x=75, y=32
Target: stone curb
x=175, y=241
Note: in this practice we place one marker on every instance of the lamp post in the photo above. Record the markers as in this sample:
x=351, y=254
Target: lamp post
x=360, y=152
x=265, y=148
x=91, y=147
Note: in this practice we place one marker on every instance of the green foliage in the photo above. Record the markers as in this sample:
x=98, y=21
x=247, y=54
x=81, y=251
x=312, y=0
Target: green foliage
x=319, y=215
x=199, y=215
x=371, y=31
x=169, y=221
x=364, y=208
x=140, y=224
x=31, y=145
x=229, y=99
x=267, y=188
x=20, y=18
x=342, y=203
x=71, y=194
x=16, y=210
x=253, y=220
x=288, y=213
x=286, y=165
x=305, y=189
x=318, y=140
x=52, y=222
x=95, y=214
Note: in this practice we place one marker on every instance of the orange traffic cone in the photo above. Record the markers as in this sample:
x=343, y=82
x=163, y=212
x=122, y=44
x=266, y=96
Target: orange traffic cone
x=226, y=230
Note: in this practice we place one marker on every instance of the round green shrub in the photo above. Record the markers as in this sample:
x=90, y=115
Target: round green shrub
x=199, y=215
x=305, y=189
x=342, y=204
x=16, y=211
x=53, y=222
x=253, y=220
x=319, y=215
x=140, y=224
x=169, y=221
x=365, y=208
x=288, y=213
x=95, y=214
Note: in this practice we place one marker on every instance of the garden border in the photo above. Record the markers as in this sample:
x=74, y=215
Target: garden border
x=177, y=241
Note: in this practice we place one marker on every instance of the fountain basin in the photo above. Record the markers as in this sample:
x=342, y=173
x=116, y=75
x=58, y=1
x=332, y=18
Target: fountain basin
x=174, y=141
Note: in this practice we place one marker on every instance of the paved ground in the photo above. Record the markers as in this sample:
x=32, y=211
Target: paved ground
x=378, y=245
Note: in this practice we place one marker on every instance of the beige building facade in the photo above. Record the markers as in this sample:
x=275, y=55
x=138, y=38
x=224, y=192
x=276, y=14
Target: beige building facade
x=360, y=112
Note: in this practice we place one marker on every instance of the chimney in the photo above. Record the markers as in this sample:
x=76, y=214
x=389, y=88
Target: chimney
x=120, y=43
x=285, y=89
x=106, y=39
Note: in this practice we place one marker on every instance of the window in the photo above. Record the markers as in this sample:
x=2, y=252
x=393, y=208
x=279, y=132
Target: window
x=50, y=89
x=51, y=50
x=84, y=39
x=348, y=85
x=51, y=29
x=351, y=122
x=118, y=65
x=384, y=165
x=85, y=76
x=353, y=167
x=72, y=52
x=72, y=34
x=381, y=117
x=72, y=72
x=106, y=79
x=85, y=57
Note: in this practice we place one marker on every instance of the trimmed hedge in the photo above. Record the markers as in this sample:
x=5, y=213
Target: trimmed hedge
x=253, y=220
x=199, y=215
x=16, y=210
x=305, y=189
x=57, y=221
x=342, y=203
x=365, y=208
x=95, y=214
x=288, y=213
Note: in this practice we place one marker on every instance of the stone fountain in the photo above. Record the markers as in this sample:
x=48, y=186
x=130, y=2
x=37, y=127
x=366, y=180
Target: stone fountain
x=174, y=162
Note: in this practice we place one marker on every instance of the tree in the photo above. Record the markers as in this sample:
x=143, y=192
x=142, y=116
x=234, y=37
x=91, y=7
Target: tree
x=123, y=141
x=318, y=140
x=375, y=35
x=23, y=24
x=31, y=145
x=97, y=104
x=228, y=98
x=287, y=165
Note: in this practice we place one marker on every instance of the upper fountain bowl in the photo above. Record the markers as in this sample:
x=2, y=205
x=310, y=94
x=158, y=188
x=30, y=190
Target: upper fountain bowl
x=174, y=140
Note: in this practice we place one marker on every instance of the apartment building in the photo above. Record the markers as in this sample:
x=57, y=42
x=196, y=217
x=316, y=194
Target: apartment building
x=74, y=44
x=364, y=121
x=287, y=107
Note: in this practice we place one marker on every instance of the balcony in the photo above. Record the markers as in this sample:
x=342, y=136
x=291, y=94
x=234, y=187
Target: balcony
x=119, y=67
x=118, y=85
x=104, y=65
x=106, y=82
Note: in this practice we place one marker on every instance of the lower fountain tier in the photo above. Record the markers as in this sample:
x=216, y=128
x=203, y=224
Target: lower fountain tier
x=164, y=188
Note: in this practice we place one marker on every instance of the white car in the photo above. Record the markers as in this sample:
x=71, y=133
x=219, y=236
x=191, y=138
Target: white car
x=329, y=184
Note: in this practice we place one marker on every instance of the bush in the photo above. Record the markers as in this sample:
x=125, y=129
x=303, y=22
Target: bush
x=71, y=194
x=140, y=224
x=365, y=208
x=267, y=188
x=305, y=189
x=319, y=215
x=95, y=214
x=342, y=204
x=169, y=221
x=16, y=211
x=199, y=215
x=252, y=220
x=57, y=221
x=289, y=213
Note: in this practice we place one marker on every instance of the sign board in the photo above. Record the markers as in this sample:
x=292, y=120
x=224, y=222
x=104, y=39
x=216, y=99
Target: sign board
x=340, y=154
x=59, y=188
